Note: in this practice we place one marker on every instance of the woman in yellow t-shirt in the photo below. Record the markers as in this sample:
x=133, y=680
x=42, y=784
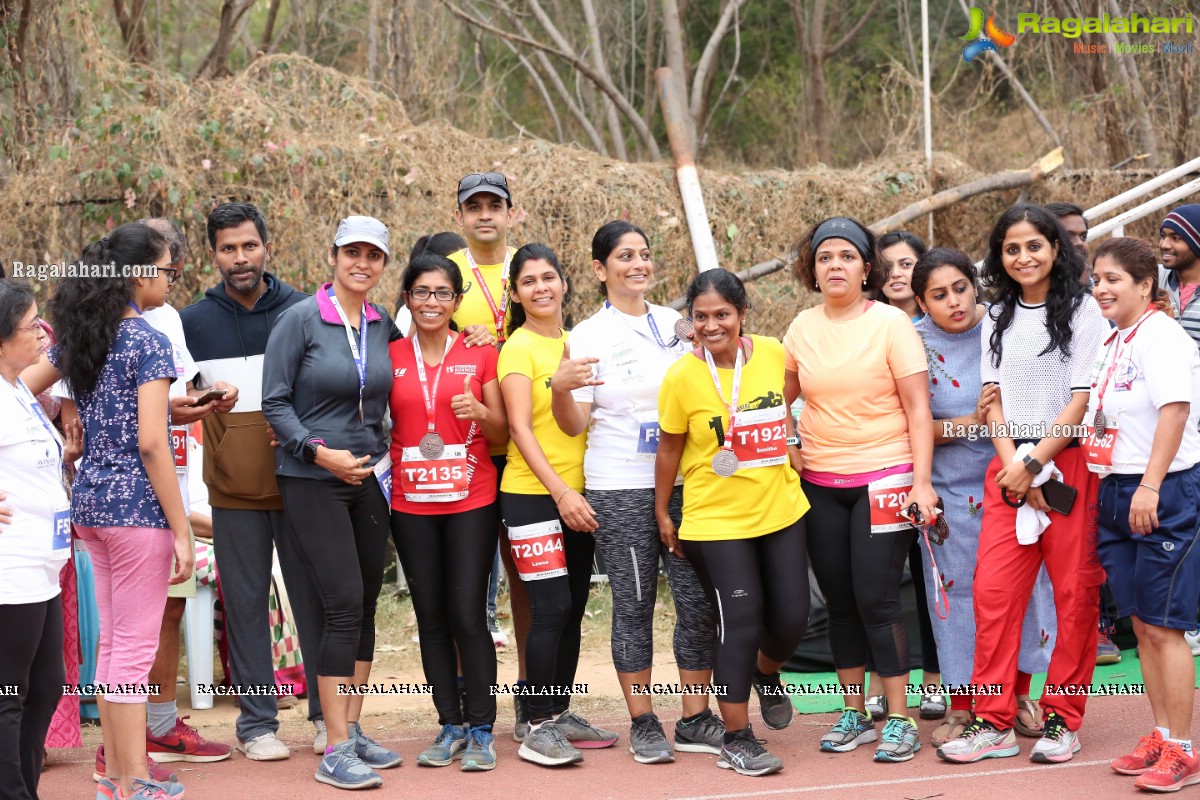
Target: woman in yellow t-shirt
x=549, y=523
x=868, y=451
x=722, y=418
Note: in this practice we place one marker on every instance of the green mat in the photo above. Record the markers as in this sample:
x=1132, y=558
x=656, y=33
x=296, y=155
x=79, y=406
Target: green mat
x=816, y=692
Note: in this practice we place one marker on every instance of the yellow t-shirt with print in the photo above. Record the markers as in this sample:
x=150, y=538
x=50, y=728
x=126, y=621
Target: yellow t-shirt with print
x=537, y=358
x=475, y=309
x=755, y=500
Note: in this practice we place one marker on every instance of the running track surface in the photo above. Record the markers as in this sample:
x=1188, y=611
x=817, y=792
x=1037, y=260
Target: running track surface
x=1111, y=728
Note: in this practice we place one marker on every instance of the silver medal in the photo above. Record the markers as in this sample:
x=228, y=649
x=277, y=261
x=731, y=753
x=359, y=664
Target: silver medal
x=431, y=445
x=1100, y=423
x=684, y=329
x=725, y=463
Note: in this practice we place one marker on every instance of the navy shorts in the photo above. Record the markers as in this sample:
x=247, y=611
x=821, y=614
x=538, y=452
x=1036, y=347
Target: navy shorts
x=1157, y=577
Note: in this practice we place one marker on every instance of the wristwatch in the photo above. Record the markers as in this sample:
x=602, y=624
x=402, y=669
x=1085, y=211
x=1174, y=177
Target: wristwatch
x=310, y=449
x=1032, y=465
x=794, y=441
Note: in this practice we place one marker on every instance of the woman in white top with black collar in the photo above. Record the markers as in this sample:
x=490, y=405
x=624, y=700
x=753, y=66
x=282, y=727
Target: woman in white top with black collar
x=608, y=385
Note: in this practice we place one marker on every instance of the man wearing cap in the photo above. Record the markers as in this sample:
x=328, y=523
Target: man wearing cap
x=1179, y=241
x=485, y=213
x=227, y=335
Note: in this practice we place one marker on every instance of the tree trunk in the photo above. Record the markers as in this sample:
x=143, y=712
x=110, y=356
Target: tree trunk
x=133, y=31
x=232, y=12
x=610, y=111
x=17, y=20
x=676, y=49
x=267, y=43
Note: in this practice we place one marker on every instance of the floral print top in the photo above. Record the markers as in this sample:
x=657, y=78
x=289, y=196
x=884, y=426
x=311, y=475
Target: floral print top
x=111, y=488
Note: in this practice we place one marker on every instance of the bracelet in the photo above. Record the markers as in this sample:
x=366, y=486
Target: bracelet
x=1148, y=486
x=561, y=495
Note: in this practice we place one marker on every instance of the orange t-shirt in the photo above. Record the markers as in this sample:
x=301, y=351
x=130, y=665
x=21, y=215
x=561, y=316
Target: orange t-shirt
x=853, y=420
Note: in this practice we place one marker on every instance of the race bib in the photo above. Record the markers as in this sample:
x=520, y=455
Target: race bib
x=383, y=475
x=60, y=538
x=179, y=446
x=537, y=550
x=435, y=480
x=648, y=430
x=888, y=497
x=760, y=437
x=1098, y=449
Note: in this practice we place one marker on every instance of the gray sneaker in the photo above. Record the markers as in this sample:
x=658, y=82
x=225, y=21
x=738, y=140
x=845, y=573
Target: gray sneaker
x=547, y=746
x=852, y=729
x=449, y=745
x=746, y=755
x=703, y=735
x=372, y=753
x=341, y=767
x=582, y=733
x=648, y=742
x=773, y=701
x=521, y=713
x=321, y=738
x=980, y=740
x=901, y=740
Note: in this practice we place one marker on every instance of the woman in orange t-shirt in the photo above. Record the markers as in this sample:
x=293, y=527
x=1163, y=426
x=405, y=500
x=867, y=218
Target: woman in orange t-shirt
x=867, y=446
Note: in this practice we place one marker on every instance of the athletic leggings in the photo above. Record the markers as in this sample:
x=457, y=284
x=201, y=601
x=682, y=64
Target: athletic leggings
x=859, y=574
x=31, y=660
x=628, y=541
x=557, y=604
x=759, y=588
x=341, y=533
x=929, y=651
x=446, y=560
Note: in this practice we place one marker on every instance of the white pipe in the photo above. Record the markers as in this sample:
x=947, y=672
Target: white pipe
x=1142, y=189
x=926, y=102
x=1119, y=222
x=697, y=218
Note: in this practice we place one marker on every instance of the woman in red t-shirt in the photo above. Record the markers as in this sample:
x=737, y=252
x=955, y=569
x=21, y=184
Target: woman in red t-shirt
x=444, y=514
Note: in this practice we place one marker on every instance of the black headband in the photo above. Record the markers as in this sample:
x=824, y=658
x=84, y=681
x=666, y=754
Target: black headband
x=843, y=228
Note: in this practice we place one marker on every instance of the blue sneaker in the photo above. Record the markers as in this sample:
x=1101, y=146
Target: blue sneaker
x=448, y=745
x=900, y=742
x=480, y=753
x=341, y=767
x=142, y=790
x=852, y=729
x=372, y=753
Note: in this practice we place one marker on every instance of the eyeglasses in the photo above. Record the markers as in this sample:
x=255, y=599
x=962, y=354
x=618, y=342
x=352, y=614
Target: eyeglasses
x=422, y=294
x=172, y=274
x=477, y=178
x=35, y=328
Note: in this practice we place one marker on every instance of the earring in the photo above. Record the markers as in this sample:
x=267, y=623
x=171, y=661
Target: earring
x=817, y=285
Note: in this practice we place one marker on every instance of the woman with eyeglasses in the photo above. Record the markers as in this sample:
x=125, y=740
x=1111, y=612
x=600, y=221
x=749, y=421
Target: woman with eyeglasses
x=446, y=407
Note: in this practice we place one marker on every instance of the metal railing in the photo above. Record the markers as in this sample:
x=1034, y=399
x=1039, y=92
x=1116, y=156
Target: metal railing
x=1116, y=225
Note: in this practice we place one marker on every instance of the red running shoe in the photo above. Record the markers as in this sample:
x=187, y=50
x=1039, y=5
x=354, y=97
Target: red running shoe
x=1143, y=758
x=1175, y=770
x=184, y=743
x=157, y=773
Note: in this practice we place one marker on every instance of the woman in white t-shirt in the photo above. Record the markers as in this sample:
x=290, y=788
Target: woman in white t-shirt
x=629, y=345
x=1142, y=417
x=34, y=545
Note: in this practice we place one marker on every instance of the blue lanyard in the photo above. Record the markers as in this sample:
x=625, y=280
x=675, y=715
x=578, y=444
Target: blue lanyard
x=358, y=350
x=36, y=408
x=649, y=318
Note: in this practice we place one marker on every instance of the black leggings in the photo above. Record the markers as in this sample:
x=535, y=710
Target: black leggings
x=31, y=660
x=929, y=653
x=447, y=559
x=341, y=533
x=859, y=574
x=557, y=604
x=759, y=589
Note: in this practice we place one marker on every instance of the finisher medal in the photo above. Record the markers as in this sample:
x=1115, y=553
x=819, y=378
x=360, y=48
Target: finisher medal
x=432, y=445
x=684, y=329
x=725, y=463
x=1100, y=422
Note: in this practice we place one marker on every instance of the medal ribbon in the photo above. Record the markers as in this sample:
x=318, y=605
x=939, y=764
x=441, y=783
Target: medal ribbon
x=360, y=354
x=649, y=318
x=1117, y=342
x=737, y=387
x=430, y=398
x=497, y=311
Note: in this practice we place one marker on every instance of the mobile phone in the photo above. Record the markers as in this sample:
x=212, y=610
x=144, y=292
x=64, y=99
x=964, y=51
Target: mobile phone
x=210, y=395
x=1058, y=495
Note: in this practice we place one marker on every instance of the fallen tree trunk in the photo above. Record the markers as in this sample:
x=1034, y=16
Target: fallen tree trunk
x=1009, y=179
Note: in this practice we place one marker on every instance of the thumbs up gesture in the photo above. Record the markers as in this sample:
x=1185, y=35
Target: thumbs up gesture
x=465, y=406
x=574, y=373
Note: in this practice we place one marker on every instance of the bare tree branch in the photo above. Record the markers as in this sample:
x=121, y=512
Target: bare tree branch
x=233, y=19
x=707, y=59
x=676, y=48
x=610, y=111
x=850, y=34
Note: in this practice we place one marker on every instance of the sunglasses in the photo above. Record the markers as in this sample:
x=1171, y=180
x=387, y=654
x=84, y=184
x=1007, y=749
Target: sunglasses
x=938, y=530
x=478, y=178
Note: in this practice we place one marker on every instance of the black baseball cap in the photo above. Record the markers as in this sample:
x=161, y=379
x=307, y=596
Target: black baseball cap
x=480, y=182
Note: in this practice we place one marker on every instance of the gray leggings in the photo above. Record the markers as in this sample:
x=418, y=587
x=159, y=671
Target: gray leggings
x=628, y=541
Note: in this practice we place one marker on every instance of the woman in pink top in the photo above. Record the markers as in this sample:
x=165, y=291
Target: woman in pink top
x=867, y=446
